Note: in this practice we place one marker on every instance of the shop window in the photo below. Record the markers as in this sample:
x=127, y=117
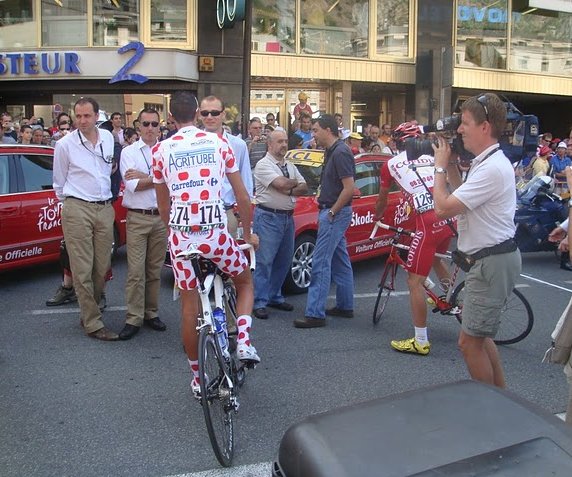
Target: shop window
x=482, y=33
x=17, y=24
x=543, y=40
x=115, y=23
x=169, y=21
x=340, y=28
x=64, y=23
x=273, y=26
x=393, y=28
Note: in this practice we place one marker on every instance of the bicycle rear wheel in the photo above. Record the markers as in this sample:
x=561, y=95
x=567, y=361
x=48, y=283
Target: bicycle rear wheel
x=386, y=286
x=516, y=316
x=216, y=398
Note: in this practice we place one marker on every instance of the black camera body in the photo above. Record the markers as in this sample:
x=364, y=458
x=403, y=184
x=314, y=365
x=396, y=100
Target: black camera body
x=518, y=140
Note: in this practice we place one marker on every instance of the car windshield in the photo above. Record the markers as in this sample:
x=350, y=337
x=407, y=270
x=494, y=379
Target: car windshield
x=312, y=176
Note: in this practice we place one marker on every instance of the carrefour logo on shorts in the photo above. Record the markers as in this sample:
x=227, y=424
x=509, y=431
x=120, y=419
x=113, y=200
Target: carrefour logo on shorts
x=185, y=159
x=212, y=181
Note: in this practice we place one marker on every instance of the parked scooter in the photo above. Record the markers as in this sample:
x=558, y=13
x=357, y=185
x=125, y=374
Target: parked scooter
x=539, y=211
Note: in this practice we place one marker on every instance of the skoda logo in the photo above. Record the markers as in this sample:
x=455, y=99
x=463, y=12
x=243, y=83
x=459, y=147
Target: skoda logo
x=228, y=12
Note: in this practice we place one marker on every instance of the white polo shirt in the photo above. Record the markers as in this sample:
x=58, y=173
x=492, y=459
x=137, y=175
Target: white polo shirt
x=489, y=194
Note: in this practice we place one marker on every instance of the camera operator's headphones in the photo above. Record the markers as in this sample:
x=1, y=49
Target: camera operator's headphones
x=405, y=131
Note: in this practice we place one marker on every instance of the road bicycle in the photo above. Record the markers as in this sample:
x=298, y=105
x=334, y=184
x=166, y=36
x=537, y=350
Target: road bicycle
x=516, y=316
x=221, y=373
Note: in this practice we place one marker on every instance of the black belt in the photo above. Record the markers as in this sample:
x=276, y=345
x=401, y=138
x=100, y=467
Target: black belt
x=324, y=206
x=145, y=211
x=504, y=247
x=98, y=202
x=228, y=207
x=276, y=211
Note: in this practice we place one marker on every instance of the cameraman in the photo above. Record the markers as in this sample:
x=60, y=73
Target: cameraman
x=485, y=205
x=432, y=235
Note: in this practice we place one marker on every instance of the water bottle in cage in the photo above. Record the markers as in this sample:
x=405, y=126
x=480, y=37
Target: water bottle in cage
x=219, y=321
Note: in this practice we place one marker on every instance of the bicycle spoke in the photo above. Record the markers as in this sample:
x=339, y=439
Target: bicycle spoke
x=516, y=319
x=386, y=287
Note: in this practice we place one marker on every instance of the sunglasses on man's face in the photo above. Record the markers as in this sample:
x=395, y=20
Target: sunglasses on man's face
x=64, y=122
x=149, y=123
x=214, y=113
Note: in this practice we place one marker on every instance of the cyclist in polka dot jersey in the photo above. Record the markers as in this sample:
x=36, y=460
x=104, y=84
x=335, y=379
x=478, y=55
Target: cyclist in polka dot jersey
x=188, y=173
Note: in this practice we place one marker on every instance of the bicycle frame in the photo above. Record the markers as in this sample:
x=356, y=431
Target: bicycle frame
x=442, y=304
x=205, y=285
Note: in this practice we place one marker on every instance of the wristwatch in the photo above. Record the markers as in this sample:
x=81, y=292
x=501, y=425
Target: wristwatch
x=331, y=212
x=440, y=170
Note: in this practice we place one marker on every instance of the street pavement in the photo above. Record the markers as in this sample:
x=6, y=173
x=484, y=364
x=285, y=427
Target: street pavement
x=73, y=406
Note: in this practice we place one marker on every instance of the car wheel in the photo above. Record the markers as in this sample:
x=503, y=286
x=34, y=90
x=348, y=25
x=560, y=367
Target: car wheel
x=298, y=280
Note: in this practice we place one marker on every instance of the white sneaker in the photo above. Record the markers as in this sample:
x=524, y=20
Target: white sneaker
x=247, y=352
x=196, y=388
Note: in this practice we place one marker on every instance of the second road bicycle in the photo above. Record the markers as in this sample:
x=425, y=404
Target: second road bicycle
x=516, y=315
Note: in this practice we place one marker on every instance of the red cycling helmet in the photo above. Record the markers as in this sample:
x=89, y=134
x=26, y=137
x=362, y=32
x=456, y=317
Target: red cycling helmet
x=406, y=130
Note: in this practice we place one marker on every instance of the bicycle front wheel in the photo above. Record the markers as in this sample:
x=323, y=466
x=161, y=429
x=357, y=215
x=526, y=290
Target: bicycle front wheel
x=386, y=286
x=516, y=316
x=216, y=397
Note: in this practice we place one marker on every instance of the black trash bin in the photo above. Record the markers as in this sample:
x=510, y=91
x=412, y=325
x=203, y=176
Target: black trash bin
x=457, y=429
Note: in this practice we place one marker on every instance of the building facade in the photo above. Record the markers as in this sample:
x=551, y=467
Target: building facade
x=374, y=61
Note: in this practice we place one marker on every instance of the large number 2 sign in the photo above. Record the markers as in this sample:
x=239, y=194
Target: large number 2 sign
x=122, y=74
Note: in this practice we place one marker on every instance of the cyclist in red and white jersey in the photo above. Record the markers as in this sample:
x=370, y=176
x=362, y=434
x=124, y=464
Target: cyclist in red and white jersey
x=432, y=235
x=188, y=172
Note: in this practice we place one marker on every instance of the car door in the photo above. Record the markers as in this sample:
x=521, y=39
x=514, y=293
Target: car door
x=10, y=209
x=363, y=206
x=40, y=217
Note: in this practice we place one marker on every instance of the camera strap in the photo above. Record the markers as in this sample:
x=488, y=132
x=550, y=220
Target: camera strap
x=496, y=149
x=449, y=222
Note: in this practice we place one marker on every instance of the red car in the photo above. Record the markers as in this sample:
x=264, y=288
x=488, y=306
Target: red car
x=30, y=213
x=368, y=166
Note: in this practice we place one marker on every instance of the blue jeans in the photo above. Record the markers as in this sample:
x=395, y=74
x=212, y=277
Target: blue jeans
x=273, y=257
x=331, y=262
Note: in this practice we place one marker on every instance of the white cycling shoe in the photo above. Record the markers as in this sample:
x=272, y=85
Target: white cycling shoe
x=196, y=388
x=247, y=353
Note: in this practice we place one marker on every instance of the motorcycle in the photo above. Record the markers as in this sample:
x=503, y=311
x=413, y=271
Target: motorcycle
x=539, y=211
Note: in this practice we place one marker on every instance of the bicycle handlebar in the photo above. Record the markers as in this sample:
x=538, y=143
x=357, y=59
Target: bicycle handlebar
x=398, y=230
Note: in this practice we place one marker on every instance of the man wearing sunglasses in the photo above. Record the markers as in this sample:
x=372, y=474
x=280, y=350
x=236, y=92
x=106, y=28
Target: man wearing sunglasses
x=484, y=206
x=213, y=116
x=83, y=162
x=188, y=172
x=146, y=232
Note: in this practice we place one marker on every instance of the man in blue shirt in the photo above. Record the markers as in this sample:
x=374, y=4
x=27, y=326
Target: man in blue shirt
x=559, y=162
x=331, y=260
x=305, y=131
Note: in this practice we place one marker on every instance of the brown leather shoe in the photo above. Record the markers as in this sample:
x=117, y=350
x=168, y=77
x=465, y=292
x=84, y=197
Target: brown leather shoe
x=309, y=322
x=104, y=334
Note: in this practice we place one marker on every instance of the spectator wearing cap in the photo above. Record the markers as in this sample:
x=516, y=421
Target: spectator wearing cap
x=554, y=143
x=354, y=141
x=559, y=161
x=302, y=106
x=541, y=165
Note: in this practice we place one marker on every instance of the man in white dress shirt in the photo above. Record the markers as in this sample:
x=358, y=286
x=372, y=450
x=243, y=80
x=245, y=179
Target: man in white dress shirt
x=146, y=232
x=83, y=163
x=213, y=116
